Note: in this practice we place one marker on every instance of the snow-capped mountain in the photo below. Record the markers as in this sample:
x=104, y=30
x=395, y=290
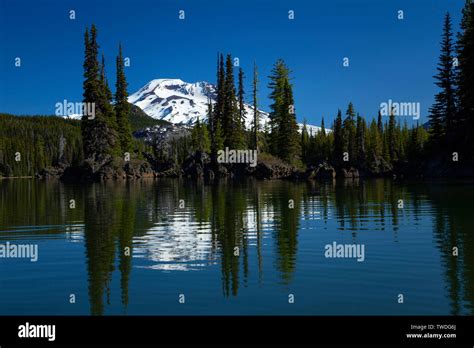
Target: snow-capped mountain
x=179, y=102
x=174, y=100
x=182, y=103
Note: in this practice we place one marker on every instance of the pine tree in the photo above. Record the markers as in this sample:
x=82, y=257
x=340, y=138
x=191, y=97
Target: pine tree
x=360, y=140
x=211, y=126
x=375, y=140
x=105, y=82
x=290, y=148
x=442, y=113
x=241, y=97
x=284, y=138
x=233, y=129
x=256, y=121
x=349, y=134
x=404, y=136
x=338, y=138
x=218, y=137
x=304, y=143
x=99, y=130
x=391, y=137
x=380, y=123
x=122, y=107
x=385, y=145
x=276, y=85
x=200, y=137
x=240, y=116
x=219, y=107
x=415, y=143
x=325, y=140
x=229, y=107
x=465, y=79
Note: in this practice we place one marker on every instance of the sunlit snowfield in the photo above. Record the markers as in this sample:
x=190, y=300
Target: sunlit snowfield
x=183, y=239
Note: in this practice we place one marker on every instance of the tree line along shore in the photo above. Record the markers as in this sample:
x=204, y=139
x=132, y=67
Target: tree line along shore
x=106, y=146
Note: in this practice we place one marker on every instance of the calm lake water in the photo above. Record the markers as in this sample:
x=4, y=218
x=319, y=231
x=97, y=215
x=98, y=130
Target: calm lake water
x=183, y=236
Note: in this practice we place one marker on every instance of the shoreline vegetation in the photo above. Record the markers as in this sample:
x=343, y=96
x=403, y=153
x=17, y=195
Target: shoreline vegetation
x=110, y=144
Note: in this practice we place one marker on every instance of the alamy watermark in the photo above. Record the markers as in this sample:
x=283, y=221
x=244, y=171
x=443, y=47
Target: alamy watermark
x=237, y=156
x=19, y=251
x=68, y=109
x=345, y=251
x=37, y=331
x=411, y=109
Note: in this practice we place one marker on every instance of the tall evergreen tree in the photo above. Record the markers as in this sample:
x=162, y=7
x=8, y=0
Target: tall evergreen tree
x=349, y=134
x=284, y=128
x=241, y=98
x=122, y=107
x=105, y=82
x=233, y=129
x=99, y=130
x=338, y=138
x=211, y=124
x=385, y=146
x=200, y=137
x=216, y=112
x=219, y=107
x=215, y=130
x=326, y=145
x=443, y=112
x=375, y=140
x=391, y=137
x=304, y=143
x=360, y=140
x=380, y=123
x=465, y=79
x=256, y=121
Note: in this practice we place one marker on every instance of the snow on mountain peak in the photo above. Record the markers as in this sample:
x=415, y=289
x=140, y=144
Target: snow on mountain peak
x=174, y=100
x=180, y=102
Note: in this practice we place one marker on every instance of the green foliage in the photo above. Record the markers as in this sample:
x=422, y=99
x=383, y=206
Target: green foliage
x=464, y=125
x=443, y=111
x=374, y=145
x=41, y=141
x=349, y=135
x=103, y=79
x=200, y=138
x=361, y=130
x=391, y=137
x=284, y=137
x=227, y=119
x=305, y=151
x=139, y=119
x=232, y=125
x=99, y=134
x=122, y=107
x=338, y=138
x=256, y=121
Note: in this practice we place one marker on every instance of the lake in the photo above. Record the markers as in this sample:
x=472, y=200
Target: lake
x=174, y=247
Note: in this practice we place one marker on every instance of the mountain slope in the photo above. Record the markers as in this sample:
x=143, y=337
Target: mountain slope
x=140, y=120
x=182, y=103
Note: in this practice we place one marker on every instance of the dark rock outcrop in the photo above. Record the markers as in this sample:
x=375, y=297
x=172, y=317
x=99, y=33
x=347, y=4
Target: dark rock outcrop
x=114, y=169
x=194, y=166
x=379, y=166
x=265, y=170
x=325, y=172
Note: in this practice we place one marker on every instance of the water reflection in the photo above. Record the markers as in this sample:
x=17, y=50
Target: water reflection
x=244, y=228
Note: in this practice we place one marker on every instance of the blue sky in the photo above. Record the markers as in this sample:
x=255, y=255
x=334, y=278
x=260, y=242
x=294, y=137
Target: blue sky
x=389, y=58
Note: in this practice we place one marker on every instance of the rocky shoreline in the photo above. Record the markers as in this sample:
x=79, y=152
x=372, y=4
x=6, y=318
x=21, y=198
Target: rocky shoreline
x=201, y=166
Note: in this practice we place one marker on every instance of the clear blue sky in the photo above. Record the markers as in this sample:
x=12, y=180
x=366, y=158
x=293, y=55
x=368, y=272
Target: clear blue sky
x=389, y=58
